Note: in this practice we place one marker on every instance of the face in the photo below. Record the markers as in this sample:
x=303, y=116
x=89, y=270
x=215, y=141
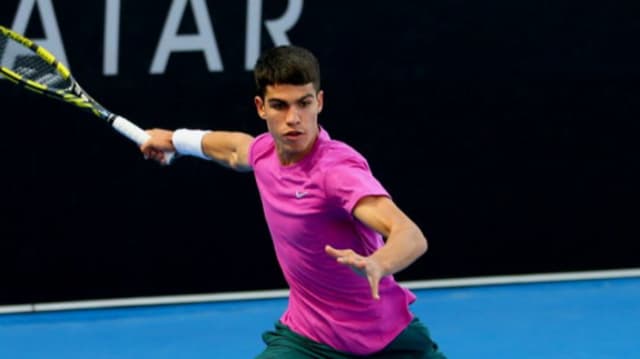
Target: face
x=291, y=113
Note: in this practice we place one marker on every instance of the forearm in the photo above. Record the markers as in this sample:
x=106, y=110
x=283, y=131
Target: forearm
x=403, y=247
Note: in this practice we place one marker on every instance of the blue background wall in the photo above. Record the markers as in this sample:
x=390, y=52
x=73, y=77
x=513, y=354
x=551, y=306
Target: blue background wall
x=506, y=130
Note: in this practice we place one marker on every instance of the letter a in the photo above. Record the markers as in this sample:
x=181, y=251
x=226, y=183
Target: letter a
x=52, y=40
x=170, y=41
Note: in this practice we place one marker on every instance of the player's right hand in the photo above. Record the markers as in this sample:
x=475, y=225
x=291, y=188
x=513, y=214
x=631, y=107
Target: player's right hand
x=158, y=144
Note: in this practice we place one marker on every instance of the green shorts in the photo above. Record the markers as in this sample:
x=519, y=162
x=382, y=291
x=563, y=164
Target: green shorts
x=413, y=343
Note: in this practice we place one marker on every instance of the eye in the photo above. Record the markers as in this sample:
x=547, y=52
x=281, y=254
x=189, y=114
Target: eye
x=278, y=105
x=305, y=103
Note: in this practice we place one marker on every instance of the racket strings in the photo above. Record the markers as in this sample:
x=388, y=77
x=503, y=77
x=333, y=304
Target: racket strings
x=26, y=63
x=3, y=45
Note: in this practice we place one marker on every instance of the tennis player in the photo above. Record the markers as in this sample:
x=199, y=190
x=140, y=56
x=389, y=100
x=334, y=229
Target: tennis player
x=327, y=216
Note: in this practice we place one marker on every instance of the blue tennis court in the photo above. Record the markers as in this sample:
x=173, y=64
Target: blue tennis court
x=568, y=319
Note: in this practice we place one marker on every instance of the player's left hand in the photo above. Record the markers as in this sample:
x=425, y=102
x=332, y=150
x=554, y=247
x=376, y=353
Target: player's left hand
x=367, y=267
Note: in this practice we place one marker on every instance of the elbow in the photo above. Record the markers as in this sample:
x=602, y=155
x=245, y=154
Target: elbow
x=420, y=241
x=233, y=163
x=422, y=245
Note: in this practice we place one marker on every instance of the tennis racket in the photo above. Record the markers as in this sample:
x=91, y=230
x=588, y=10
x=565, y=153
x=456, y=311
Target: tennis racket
x=34, y=68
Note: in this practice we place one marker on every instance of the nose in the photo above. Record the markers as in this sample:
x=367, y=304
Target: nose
x=293, y=116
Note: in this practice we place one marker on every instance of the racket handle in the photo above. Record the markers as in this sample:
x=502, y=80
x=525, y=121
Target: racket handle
x=136, y=134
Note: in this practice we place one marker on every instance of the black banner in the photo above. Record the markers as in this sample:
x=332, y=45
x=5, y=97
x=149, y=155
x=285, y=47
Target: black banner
x=506, y=130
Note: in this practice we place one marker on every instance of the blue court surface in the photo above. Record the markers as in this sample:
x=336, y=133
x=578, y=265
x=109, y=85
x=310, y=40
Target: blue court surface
x=568, y=319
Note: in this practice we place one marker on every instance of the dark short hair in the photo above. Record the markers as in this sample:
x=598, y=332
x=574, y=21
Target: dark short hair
x=287, y=64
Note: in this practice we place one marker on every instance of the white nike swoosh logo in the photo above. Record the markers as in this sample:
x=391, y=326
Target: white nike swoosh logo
x=300, y=194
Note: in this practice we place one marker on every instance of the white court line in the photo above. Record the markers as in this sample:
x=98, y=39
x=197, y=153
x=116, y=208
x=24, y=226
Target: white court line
x=523, y=278
x=283, y=293
x=8, y=309
x=163, y=300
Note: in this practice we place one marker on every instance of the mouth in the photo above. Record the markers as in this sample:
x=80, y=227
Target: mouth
x=293, y=135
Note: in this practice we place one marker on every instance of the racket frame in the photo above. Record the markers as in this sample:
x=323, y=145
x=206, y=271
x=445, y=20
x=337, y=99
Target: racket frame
x=73, y=94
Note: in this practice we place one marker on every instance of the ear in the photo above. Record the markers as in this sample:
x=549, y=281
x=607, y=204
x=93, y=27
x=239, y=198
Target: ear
x=320, y=98
x=259, y=102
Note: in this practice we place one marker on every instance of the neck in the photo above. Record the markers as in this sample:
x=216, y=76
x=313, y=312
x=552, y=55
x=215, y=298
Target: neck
x=291, y=158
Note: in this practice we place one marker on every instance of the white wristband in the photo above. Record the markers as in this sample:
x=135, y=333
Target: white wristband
x=189, y=142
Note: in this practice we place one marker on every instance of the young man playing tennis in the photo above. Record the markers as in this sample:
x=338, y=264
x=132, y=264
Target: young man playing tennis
x=327, y=216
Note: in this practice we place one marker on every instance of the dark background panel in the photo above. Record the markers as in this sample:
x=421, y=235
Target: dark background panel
x=506, y=130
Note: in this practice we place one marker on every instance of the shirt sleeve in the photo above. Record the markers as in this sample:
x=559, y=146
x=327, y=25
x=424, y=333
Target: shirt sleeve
x=351, y=180
x=257, y=147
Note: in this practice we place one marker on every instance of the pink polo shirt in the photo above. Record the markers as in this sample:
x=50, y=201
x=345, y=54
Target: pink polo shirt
x=308, y=205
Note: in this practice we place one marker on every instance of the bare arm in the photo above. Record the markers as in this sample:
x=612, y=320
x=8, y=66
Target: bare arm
x=404, y=245
x=405, y=242
x=230, y=149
